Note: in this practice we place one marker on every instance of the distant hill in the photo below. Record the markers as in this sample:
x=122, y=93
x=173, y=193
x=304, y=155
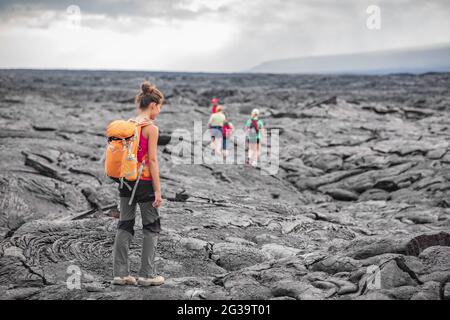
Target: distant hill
x=413, y=60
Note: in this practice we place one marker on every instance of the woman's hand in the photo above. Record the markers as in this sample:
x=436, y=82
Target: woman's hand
x=158, y=199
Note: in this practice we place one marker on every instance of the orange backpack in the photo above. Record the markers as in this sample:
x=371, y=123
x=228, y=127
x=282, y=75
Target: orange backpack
x=121, y=161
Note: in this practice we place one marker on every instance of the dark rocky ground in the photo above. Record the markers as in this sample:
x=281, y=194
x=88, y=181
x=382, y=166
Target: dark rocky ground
x=364, y=181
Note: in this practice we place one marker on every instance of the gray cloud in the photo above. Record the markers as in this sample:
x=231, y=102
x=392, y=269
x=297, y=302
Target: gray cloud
x=260, y=29
x=113, y=8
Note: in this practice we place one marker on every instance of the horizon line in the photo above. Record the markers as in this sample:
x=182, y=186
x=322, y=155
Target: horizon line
x=346, y=73
x=391, y=50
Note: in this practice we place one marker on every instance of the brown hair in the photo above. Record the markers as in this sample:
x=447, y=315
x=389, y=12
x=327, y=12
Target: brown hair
x=149, y=93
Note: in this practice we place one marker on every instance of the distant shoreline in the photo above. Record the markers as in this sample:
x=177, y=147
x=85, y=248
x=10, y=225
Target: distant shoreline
x=204, y=73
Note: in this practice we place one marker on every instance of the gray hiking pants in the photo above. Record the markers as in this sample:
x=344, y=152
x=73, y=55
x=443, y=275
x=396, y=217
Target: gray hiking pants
x=125, y=232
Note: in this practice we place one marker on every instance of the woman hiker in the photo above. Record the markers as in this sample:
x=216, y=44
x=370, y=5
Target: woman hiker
x=215, y=125
x=147, y=195
x=227, y=131
x=254, y=130
x=215, y=103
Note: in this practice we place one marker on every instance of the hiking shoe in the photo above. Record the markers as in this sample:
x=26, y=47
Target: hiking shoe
x=155, y=281
x=123, y=281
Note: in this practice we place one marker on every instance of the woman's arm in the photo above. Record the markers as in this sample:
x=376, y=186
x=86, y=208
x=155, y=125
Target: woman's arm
x=210, y=119
x=153, y=163
x=247, y=127
x=263, y=132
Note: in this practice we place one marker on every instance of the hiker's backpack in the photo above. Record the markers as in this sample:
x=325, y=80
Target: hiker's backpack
x=254, y=128
x=121, y=161
x=226, y=130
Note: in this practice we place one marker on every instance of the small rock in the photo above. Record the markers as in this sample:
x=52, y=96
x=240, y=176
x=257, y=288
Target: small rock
x=335, y=264
x=374, y=295
x=325, y=162
x=438, y=276
x=436, y=153
x=419, y=243
x=94, y=287
x=265, y=237
x=436, y=258
x=88, y=278
x=193, y=244
x=282, y=298
x=195, y=294
x=246, y=287
x=447, y=291
x=239, y=241
x=342, y=194
x=300, y=290
x=14, y=252
x=392, y=276
x=370, y=247
x=374, y=194
x=418, y=216
x=279, y=251
x=21, y=293
x=428, y=291
x=45, y=167
x=45, y=127
x=233, y=256
x=401, y=293
x=3, y=233
x=324, y=285
x=345, y=287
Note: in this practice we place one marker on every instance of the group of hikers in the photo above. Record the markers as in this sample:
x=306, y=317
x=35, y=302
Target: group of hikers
x=221, y=129
x=131, y=160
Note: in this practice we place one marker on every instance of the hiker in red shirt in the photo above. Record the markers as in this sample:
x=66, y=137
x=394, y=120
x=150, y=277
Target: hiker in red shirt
x=227, y=131
x=215, y=103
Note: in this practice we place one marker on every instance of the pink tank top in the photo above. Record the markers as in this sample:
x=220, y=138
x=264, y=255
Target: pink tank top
x=142, y=150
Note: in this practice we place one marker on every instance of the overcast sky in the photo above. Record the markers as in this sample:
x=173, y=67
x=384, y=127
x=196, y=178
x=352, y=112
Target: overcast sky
x=206, y=35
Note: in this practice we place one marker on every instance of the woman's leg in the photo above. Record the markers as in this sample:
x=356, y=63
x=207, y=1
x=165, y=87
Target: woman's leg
x=225, y=147
x=253, y=155
x=258, y=151
x=219, y=146
x=124, y=235
x=151, y=228
x=213, y=133
x=224, y=143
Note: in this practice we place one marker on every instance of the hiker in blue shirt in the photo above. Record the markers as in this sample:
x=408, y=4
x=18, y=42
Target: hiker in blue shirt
x=254, y=130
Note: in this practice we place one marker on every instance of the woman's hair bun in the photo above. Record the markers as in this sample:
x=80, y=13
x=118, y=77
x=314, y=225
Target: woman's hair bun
x=147, y=88
x=148, y=94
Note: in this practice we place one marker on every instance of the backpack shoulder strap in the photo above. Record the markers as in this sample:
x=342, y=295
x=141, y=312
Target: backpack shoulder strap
x=142, y=123
x=255, y=124
x=145, y=123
